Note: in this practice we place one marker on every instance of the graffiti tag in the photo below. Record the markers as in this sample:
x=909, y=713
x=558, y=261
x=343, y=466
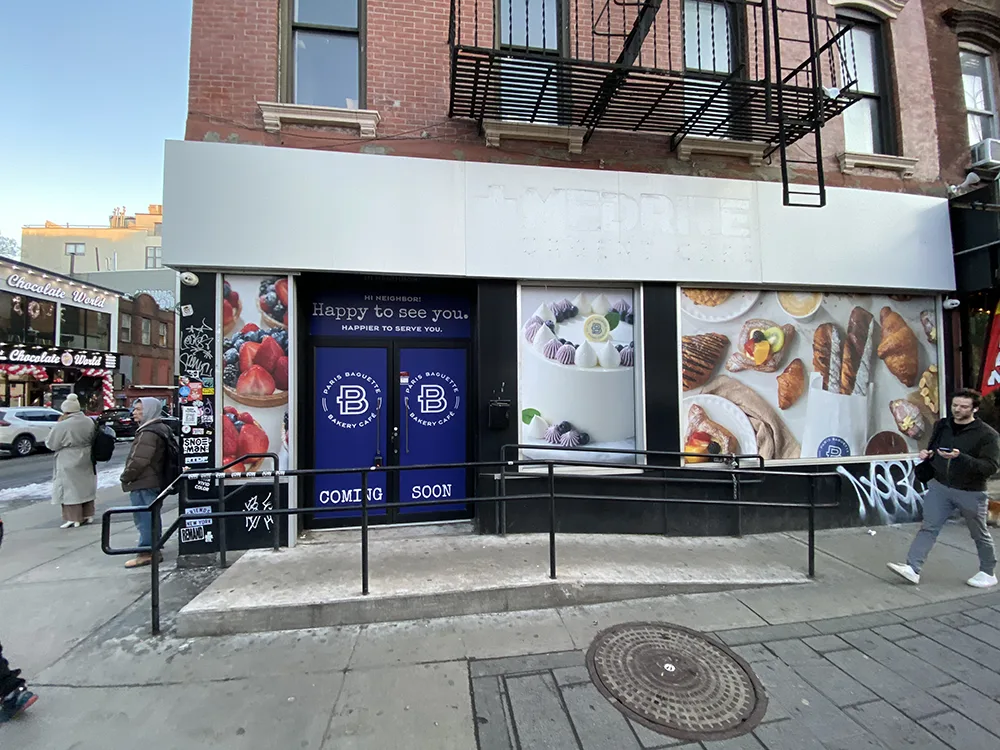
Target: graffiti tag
x=198, y=350
x=252, y=505
x=891, y=490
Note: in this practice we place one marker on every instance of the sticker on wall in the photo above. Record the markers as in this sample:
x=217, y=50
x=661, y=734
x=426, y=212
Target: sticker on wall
x=813, y=375
x=255, y=356
x=576, y=372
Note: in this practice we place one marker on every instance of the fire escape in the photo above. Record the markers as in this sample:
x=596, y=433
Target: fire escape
x=770, y=72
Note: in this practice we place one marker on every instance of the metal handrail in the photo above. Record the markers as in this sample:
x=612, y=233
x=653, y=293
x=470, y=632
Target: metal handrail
x=733, y=471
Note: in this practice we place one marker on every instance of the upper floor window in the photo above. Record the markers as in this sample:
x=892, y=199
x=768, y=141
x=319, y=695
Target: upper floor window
x=146, y=331
x=532, y=24
x=868, y=123
x=126, y=335
x=163, y=335
x=977, y=83
x=710, y=38
x=76, y=248
x=154, y=257
x=325, y=52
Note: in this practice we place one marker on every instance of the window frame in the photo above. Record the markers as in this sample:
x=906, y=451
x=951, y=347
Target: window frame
x=157, y=256
x=125, y=328
x=68, y=245
x=885, y=99
x=286, y=51
x=991, y=82
x=146, y=326
x=163, y=335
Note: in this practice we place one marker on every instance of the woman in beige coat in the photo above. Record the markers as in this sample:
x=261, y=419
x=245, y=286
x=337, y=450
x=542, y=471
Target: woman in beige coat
x=74, y=485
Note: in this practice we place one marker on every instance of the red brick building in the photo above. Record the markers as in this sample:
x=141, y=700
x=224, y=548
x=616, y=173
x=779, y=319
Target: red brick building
x=146, y=345
x=656, y=177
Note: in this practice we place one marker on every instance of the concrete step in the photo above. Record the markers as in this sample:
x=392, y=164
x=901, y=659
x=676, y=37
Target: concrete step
x=423, y=573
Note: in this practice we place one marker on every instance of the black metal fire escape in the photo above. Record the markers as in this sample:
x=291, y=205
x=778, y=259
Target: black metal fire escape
x=771, y=72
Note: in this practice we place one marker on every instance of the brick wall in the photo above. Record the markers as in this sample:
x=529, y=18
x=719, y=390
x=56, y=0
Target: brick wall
x=235, y=63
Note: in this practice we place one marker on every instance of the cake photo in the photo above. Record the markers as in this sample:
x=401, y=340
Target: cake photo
x=577, y=379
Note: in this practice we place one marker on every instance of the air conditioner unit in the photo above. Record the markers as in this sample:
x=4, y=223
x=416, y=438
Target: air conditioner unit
x=986, y=154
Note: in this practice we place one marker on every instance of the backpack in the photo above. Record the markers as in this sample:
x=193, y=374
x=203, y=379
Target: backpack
x=103, y=445
x=171, y=468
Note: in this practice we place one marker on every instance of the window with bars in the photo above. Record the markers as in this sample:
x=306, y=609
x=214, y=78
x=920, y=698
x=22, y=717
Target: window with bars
x=325, y=53
x=868, y=127
x=710, y=37
x=977, y=84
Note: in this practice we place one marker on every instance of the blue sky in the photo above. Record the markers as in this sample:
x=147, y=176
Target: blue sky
x=89, y=91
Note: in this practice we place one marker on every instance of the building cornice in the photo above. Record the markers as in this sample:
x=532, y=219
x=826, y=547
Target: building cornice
x=975, y=26
x=882, y=8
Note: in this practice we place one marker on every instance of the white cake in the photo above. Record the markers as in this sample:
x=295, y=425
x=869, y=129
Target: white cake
x=577, y=372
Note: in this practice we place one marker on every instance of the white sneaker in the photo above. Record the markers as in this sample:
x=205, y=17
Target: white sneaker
x=70, y=525
x=982, y=580
x=904, y=571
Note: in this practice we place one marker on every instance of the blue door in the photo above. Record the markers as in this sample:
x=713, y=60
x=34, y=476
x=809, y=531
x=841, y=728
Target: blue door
x=351, y=405
x=432, y=427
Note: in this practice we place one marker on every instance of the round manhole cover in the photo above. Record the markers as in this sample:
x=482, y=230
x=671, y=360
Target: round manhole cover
x=675, y=681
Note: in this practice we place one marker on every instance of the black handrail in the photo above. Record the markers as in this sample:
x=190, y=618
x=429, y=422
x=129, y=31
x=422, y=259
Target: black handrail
x=730, y=467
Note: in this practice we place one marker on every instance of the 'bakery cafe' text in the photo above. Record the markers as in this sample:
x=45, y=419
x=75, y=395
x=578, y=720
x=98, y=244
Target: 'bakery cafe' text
x=55, y=290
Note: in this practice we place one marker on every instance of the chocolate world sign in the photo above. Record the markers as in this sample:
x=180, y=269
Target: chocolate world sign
x=56, y=357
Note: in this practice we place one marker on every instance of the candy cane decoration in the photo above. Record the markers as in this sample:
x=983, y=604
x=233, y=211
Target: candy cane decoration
x=34, y=371
x=107, y=386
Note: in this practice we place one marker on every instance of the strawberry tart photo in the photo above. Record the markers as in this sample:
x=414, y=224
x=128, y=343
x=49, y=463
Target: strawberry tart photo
x=255, y=368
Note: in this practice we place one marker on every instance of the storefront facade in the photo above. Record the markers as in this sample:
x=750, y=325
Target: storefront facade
x=57, y=336
x=443, y=310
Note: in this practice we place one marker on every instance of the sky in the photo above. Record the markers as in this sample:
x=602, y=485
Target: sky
x=89, y=92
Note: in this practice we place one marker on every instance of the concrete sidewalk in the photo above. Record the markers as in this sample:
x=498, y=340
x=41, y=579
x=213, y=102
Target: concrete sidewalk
x=77, y=622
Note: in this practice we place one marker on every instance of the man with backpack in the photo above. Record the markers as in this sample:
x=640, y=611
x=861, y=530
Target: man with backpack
x=150, y=467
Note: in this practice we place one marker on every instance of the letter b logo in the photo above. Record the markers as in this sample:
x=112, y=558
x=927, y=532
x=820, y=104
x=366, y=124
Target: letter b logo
x=352, y=400
x=431, y=399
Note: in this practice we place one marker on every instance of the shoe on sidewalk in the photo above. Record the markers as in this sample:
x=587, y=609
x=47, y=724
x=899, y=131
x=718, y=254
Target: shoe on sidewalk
x=70, y=525
x=982, y=580
x=15, y=703
x=142, y=560
x=904, y=571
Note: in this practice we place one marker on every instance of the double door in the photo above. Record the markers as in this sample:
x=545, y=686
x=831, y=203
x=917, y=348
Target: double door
x=395, y=404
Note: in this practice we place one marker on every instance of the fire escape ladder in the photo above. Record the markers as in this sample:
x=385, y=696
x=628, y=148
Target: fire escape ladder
x=801, y=120
x=630, y=52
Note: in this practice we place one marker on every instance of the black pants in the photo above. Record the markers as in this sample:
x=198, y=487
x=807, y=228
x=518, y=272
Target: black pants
x=10, y=679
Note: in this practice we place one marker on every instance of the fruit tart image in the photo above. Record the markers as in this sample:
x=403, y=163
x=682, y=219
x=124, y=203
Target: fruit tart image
x=707, y=437
x=242, y=435
x=255, y=369
x=232, y=308
x=760, y=346
x=272, y=301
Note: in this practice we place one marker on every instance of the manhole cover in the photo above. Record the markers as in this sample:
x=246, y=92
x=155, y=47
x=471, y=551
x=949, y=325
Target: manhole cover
x=675, y=681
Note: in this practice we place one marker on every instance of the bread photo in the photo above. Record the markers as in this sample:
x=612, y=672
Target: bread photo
x=791, y=384
x=827, y=353
x=855, y=372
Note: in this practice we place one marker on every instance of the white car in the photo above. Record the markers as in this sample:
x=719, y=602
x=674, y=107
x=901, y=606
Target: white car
x=23, y=428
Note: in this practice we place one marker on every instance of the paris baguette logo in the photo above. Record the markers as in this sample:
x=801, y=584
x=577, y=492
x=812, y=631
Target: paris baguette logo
x=352, y=400
x=432, y=399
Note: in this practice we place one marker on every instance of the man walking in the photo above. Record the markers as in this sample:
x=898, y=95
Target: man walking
x=964, y=453
x=14, y=696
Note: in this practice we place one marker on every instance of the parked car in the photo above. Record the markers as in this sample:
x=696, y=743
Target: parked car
x=24, y=428
x=119, y=420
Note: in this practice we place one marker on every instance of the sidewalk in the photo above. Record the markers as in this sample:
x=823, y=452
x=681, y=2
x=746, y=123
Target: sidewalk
x=902, y=668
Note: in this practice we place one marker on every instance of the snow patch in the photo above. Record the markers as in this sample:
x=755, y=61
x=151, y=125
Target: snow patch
x=106, y=478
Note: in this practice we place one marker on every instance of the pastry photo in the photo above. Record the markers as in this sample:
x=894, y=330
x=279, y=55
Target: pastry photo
x=715, y=421
x=791, y=384
x=700, y=356
x=899, y=348
x=760, y=346
x=716, y=305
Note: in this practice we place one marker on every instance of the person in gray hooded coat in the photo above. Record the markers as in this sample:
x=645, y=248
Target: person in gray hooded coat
x=74, y=483
x=143, y=474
